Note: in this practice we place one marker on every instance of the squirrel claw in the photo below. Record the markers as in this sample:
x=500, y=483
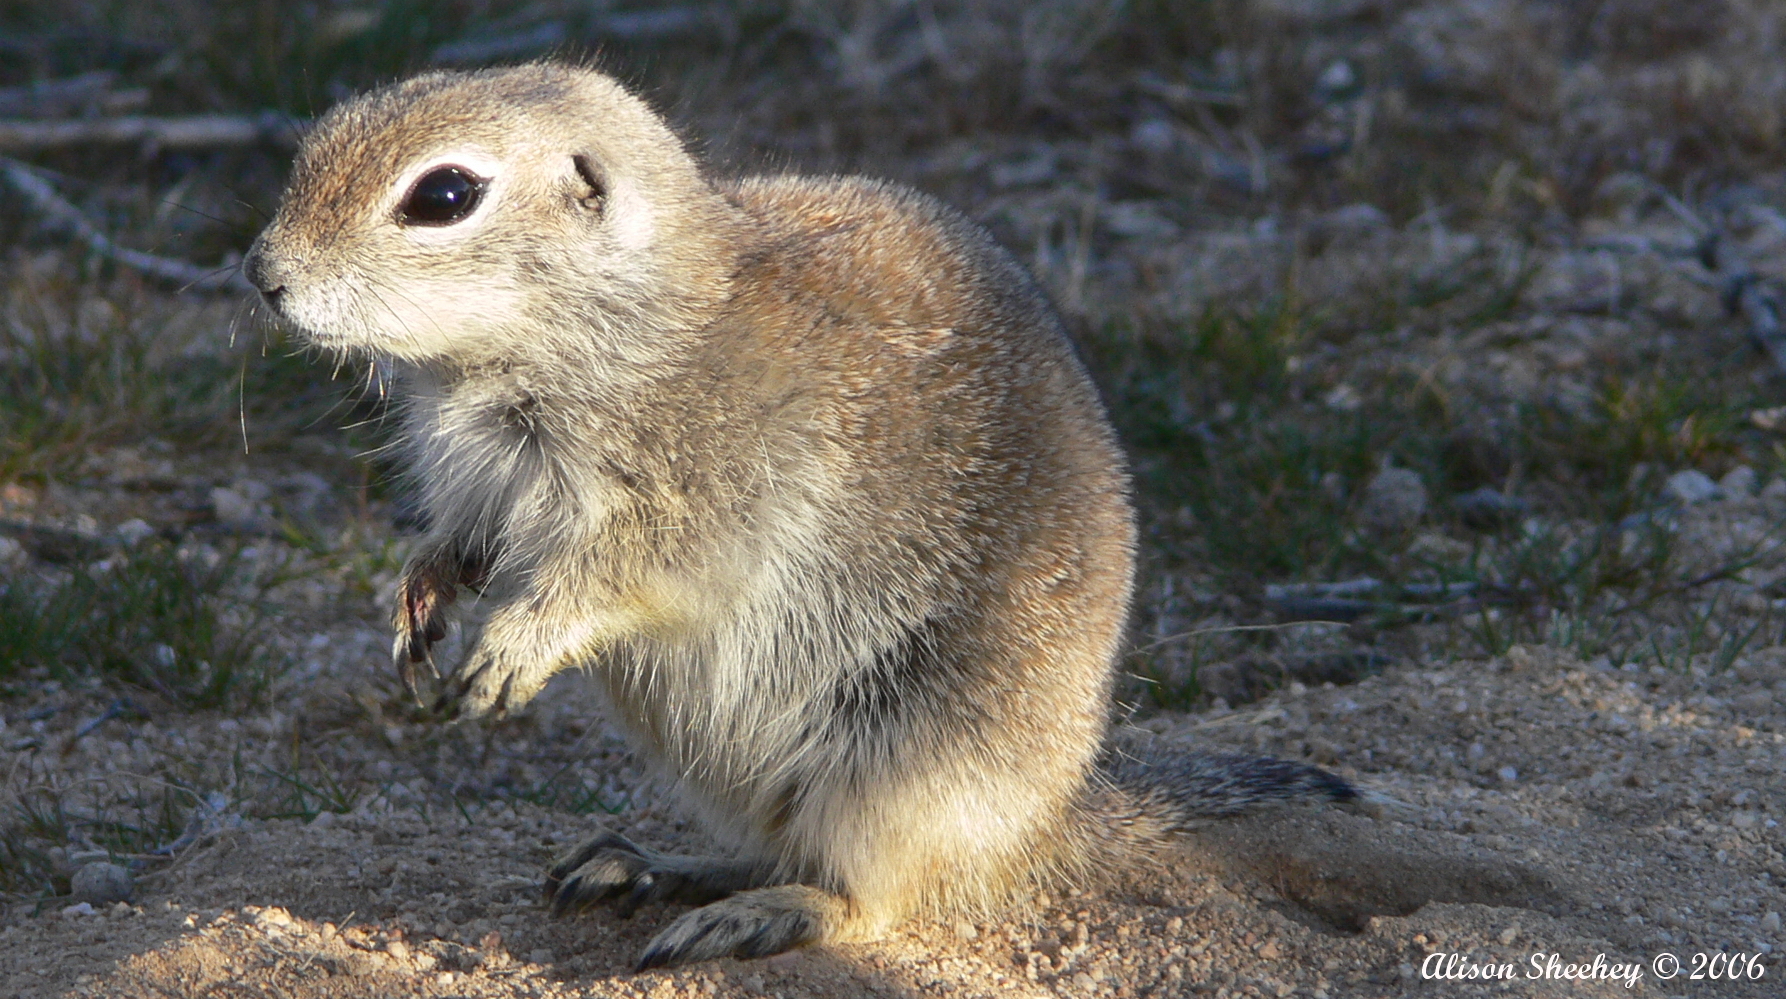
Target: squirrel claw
x=406, y=671
x=423, y=596
x=413, y=657
x=601, y=869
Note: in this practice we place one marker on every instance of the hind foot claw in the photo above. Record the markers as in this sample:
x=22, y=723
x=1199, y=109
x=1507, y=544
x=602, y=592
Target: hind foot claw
x=749, y=924
x=611, y=868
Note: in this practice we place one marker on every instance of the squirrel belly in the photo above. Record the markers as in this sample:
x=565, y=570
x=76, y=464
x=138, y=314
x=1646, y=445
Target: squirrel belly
x=804, y=471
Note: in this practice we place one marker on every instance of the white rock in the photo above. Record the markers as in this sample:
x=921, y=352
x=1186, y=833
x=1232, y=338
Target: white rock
x=1337, y=76
x=1344, y=398
x=1154, y=135
x=1689, y=487
x=1394, y=500
x=1738, y=483
x=232, y=508
x=133, y=531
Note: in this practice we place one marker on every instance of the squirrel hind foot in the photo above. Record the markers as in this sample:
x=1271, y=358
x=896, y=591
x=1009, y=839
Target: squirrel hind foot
x=612, y=869
x=754, y=923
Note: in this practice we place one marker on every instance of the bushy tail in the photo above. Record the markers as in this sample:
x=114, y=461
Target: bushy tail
x=1174, y=787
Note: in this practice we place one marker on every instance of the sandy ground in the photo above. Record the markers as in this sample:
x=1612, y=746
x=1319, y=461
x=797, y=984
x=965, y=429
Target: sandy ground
x=1551, y=808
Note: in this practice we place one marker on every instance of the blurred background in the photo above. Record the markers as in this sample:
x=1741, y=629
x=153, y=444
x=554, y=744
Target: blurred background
x=1433, y=326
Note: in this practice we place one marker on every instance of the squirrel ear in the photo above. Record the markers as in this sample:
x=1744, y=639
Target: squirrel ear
x=597, y=193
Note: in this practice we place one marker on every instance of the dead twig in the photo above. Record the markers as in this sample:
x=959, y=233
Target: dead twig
x=1349, y=600
x=191, y=132
x=667, y=24
x=71, y=96
x=117, y=710
x=59, y=210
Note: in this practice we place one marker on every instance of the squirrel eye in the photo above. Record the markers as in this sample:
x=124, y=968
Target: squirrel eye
x=443, y=196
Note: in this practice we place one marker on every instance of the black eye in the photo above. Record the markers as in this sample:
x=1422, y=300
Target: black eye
x=443, y=196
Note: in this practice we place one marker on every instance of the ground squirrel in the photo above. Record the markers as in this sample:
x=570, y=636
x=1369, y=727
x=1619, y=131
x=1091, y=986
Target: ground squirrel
x=804, y=471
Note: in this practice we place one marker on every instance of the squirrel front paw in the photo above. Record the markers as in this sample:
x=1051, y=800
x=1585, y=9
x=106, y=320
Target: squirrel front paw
x=490, y=683
x=426, y=590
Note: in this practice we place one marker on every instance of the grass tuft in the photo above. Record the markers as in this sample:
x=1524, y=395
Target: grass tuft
x=49, y=830
x=184, y=624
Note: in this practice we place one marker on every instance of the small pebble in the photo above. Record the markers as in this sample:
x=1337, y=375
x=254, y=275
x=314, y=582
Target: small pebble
x=785, y=960
x=1394, y=500
x=274, y=916
x=231, y=508
x=133, y=531
x=1337, y=77
x=1738, y=483
x=1689, y=487
x=103, y=883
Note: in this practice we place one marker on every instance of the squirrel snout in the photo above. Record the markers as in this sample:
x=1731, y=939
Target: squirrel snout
x=265, y=278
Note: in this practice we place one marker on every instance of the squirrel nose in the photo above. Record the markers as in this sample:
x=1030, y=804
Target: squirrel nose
x=262, y=275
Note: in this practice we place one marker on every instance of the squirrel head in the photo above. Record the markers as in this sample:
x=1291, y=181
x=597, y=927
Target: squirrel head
x=463, y=219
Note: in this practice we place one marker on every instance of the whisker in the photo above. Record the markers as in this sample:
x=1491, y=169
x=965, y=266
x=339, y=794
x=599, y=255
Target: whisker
x=242, y=402
x=189, y=208
x=209, y=277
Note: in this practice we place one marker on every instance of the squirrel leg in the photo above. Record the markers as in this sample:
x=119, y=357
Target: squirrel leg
x=758, y=923
x=611, y=868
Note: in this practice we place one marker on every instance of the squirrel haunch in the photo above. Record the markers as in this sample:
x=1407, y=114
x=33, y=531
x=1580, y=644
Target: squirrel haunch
x=805, y=471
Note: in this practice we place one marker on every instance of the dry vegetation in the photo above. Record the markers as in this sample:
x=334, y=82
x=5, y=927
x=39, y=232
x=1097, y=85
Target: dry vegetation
x=1468, y=298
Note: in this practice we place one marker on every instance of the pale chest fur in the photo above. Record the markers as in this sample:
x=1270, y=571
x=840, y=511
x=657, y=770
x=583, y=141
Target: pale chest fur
x=479, y=459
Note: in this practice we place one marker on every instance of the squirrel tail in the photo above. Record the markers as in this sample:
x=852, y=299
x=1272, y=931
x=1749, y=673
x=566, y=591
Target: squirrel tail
x=1143, y=795
x=1160, y=789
